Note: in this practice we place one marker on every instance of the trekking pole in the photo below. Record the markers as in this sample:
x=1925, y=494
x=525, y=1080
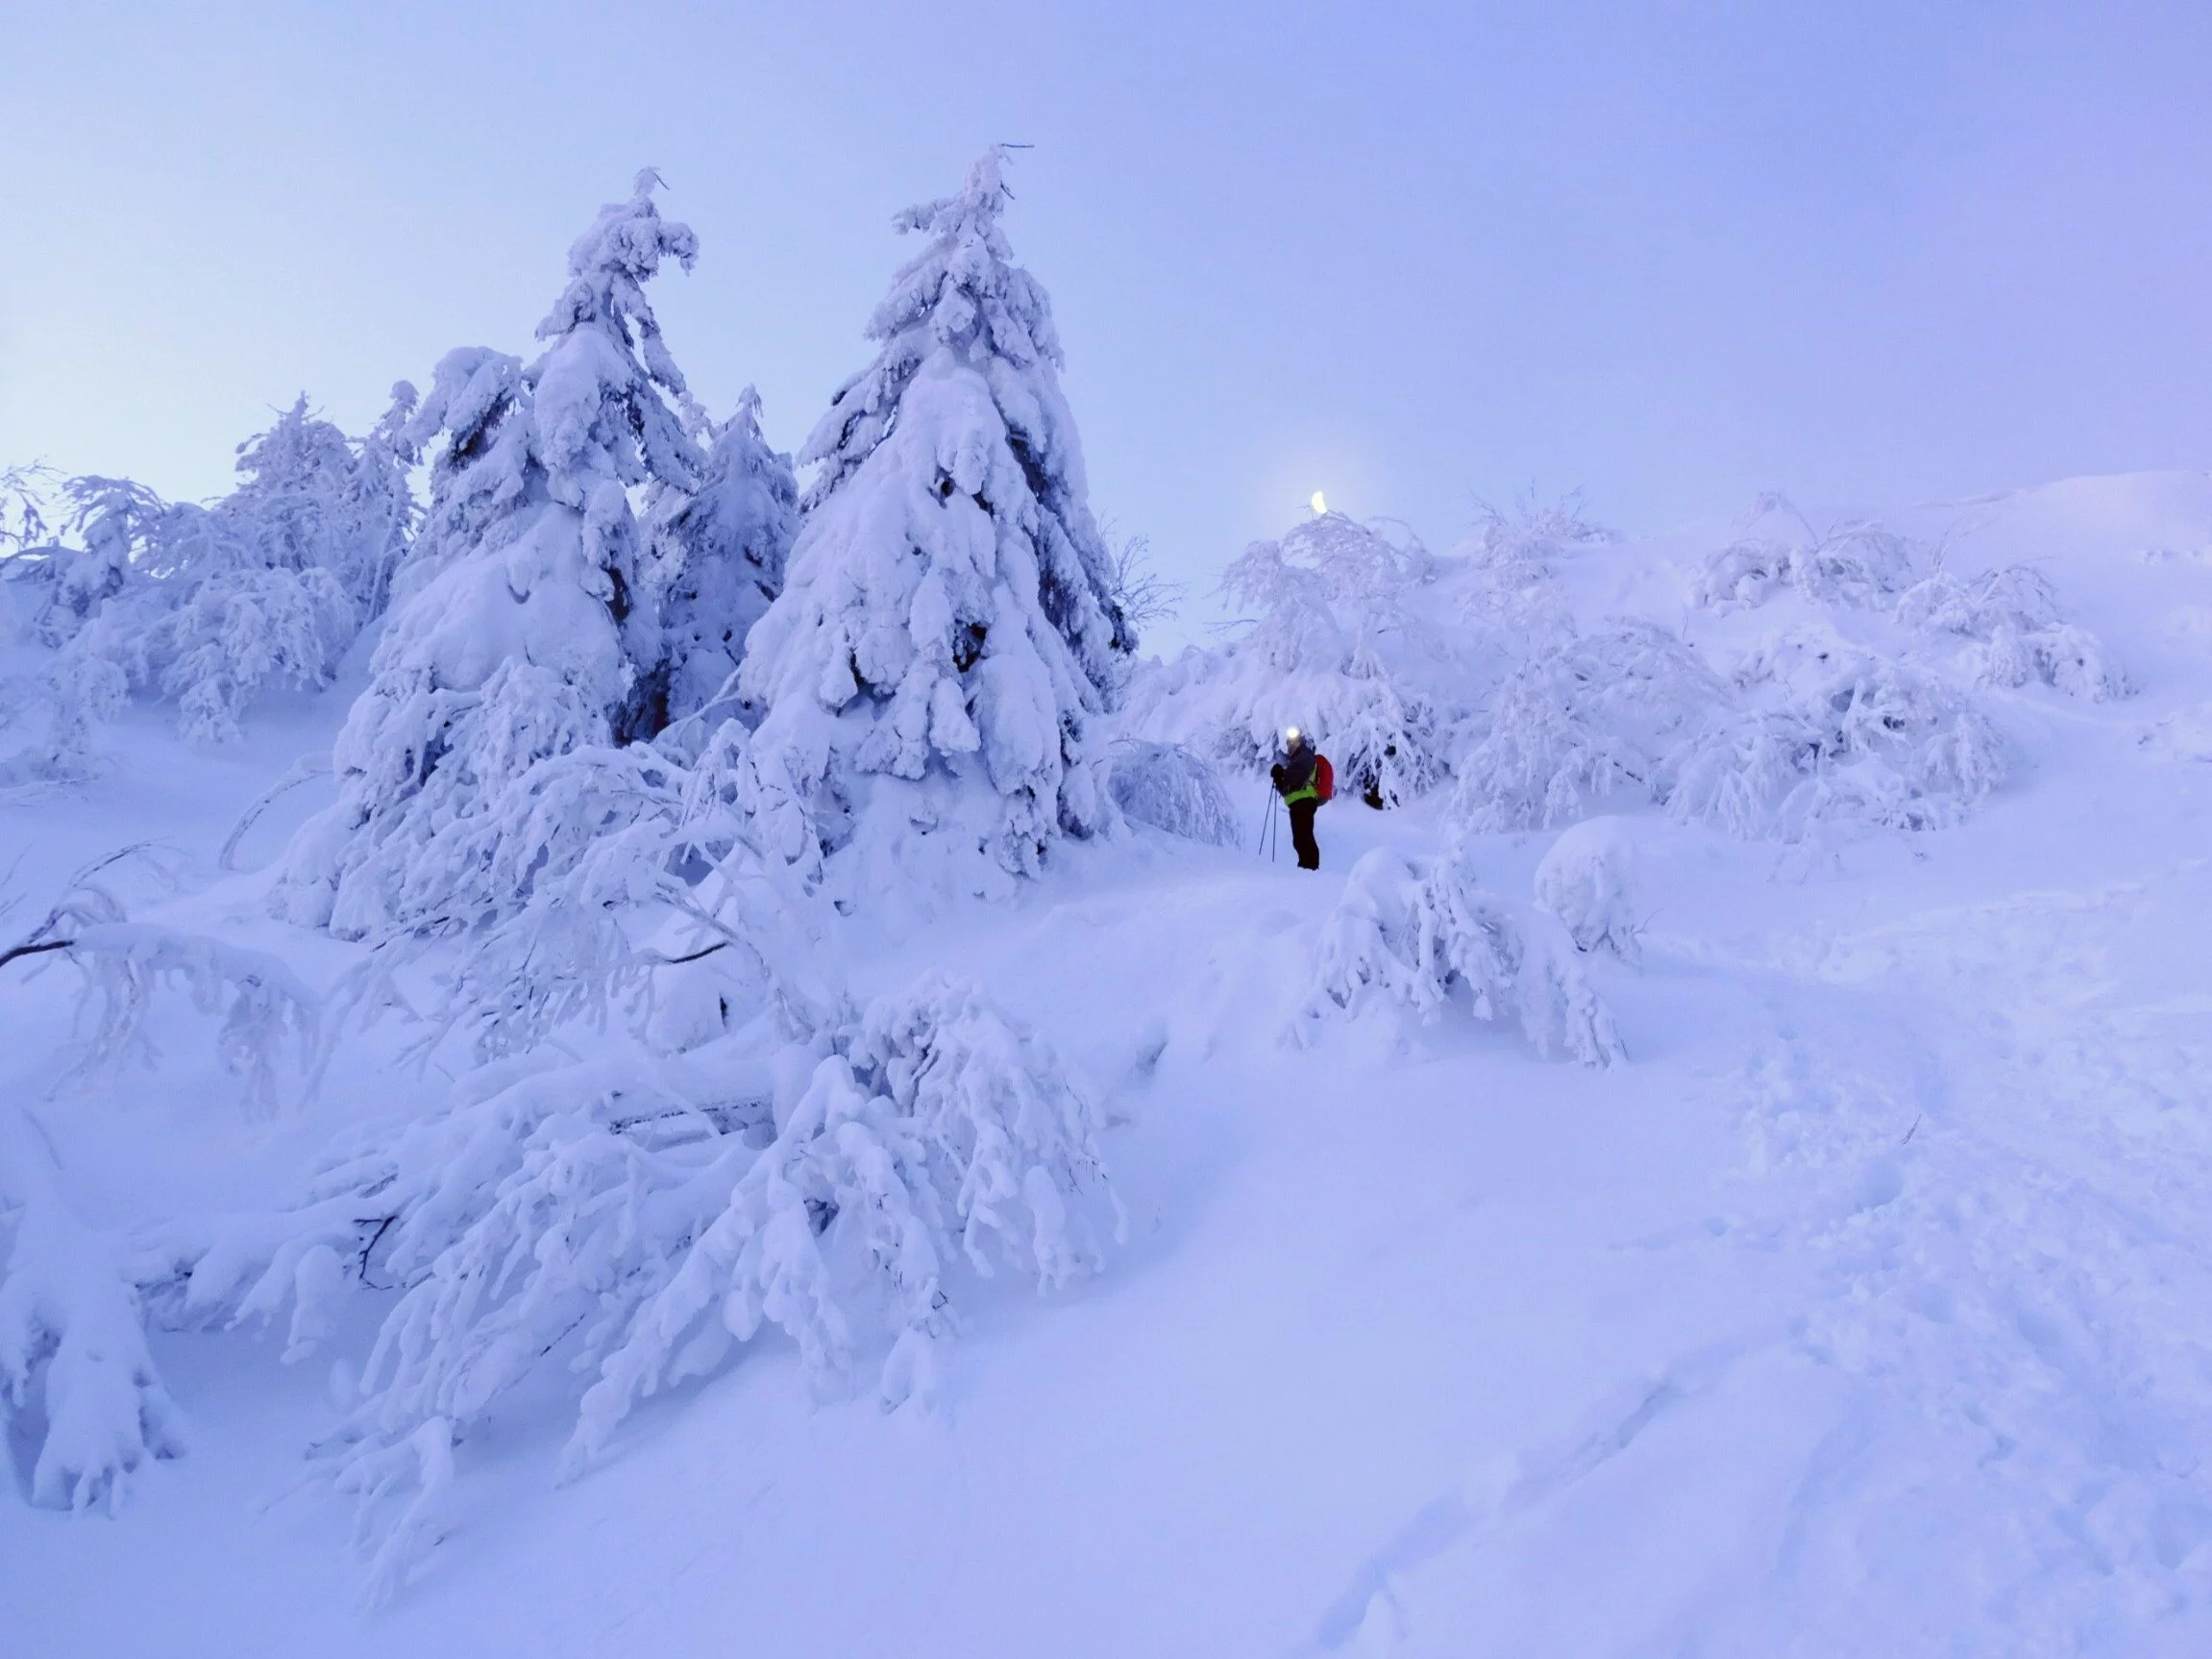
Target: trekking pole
x=1266, y=823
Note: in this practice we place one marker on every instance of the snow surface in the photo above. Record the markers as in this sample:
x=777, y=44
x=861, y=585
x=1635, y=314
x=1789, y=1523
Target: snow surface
x=1864, y=1308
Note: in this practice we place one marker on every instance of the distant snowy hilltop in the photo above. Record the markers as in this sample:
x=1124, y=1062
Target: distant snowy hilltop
x=733, y=916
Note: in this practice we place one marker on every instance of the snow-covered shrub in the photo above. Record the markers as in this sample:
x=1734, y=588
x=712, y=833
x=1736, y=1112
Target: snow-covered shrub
x=1512, y=590
x=314, y=499
x=935, y=669
x=1168, y=786
x=1591, y=719
x=1421, y=934
x=120, y=527
x=236, y=631
x=1587, y=883
x=2011, y=614
x=76, y=1376
x=528, y=620
x=2015, y=597
x=78, y=693
x=1342, y=645
x=1826, y=731
x=26, y=499
x=2070, y=658
x=1133, y=586
x=935, y=1135
x=2020, y=636
x=632, y=1217
x=77, y=1380
x=725, y=545
x=1854, y=562
x=205, y=605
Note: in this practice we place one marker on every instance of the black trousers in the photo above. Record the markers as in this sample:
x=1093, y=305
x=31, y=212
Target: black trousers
x=1302, y=833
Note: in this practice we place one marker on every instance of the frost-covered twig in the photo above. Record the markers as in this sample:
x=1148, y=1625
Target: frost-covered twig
x=263, y=1004
x=301, y=771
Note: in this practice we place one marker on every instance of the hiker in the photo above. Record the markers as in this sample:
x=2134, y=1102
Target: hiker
x=1304, y=779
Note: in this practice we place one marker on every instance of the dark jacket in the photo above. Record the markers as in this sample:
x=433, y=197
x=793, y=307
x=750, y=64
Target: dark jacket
x=1293, y=773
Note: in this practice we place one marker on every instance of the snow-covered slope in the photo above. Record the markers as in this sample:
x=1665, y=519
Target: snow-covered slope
x=1865, y=1309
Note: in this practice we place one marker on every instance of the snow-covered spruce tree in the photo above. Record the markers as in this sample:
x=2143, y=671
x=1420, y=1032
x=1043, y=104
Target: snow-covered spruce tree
x=528, y=621
x=1338, y=646
x=946, y=643
x=725, y=545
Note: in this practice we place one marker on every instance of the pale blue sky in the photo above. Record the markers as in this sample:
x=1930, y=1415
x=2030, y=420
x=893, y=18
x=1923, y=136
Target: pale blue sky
x=1669, y=253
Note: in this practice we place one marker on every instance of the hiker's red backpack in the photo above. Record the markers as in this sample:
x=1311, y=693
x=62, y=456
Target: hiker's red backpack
x=1324, y=778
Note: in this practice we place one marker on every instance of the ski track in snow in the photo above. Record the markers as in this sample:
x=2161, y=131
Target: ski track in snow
x=1999, y=1157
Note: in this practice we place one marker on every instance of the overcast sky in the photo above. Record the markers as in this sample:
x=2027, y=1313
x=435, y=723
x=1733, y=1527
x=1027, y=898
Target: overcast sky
x=1411, y=254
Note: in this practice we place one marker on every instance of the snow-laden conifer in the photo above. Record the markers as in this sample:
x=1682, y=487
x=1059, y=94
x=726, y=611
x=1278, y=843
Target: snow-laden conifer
x=725, y=545
x=528, y=619
x=934, y=671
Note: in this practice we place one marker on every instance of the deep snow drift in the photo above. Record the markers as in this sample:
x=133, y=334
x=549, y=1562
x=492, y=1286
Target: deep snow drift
x=1860, y=1305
